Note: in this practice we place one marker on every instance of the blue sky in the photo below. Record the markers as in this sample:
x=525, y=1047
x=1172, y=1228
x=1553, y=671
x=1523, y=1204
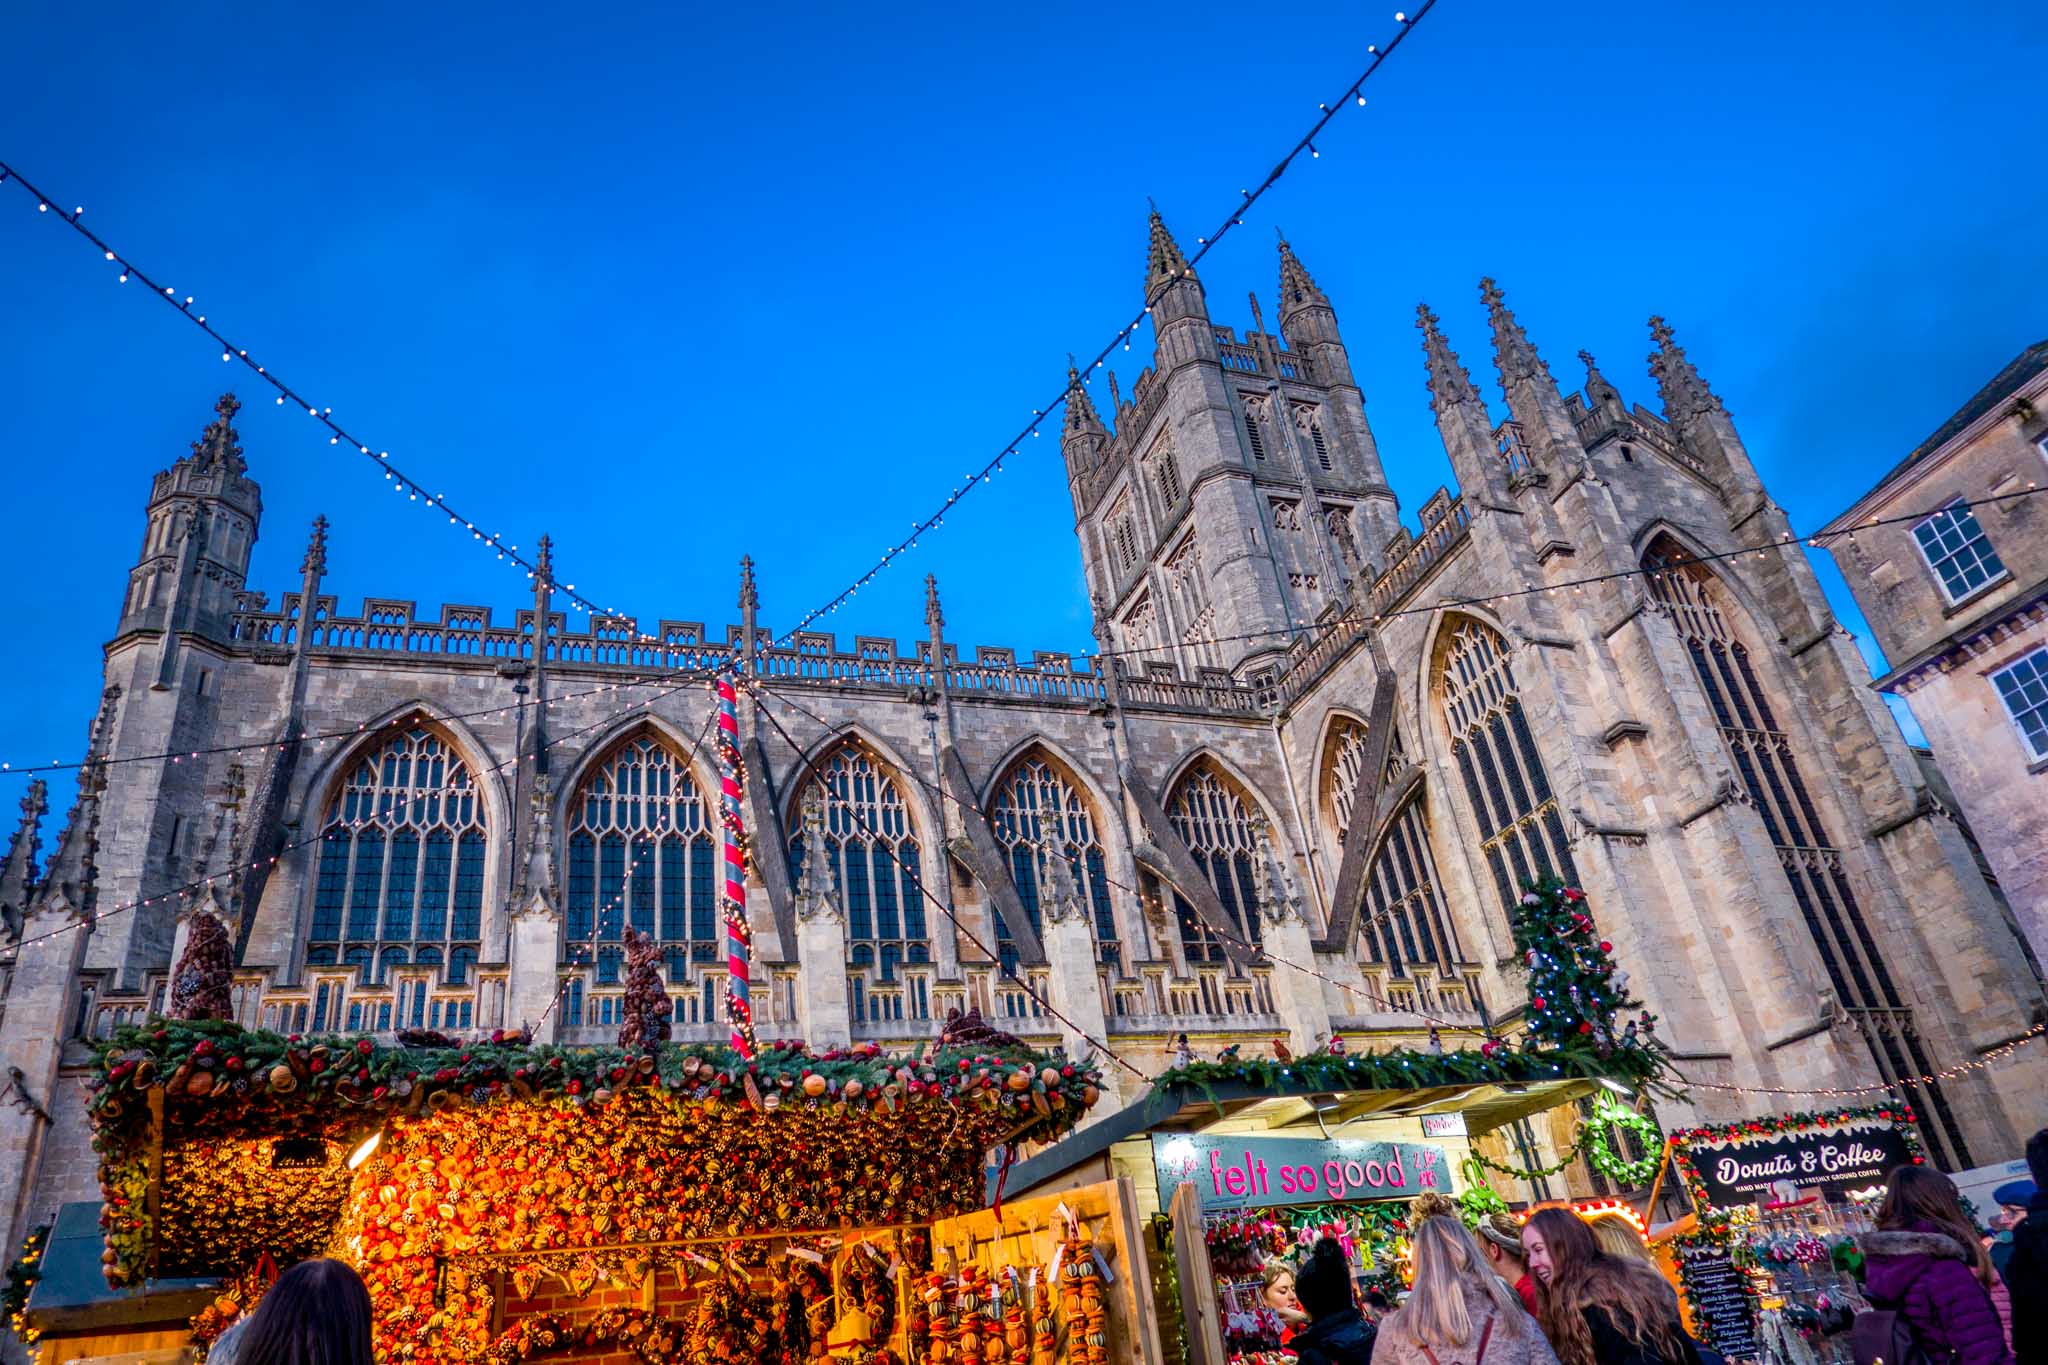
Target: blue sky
x=676, y=286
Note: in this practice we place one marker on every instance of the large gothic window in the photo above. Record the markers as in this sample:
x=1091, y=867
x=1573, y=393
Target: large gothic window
x=1521, y=829
x=1763, y=755
x=641, y=855
x=1032, y=804
x=1401, y=914
x=1213, y=817
x=401, y=876
x=872, y=847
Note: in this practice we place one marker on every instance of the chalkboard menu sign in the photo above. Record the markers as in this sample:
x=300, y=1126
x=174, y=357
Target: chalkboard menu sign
x=1723, y=1310
x=1832, y=1160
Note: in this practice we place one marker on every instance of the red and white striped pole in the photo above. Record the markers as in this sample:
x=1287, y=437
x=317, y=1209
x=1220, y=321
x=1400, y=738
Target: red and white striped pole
x=739, y=939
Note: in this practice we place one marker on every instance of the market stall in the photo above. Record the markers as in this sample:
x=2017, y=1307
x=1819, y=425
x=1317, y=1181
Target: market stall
x=1768, y=1265
x=506, y=1202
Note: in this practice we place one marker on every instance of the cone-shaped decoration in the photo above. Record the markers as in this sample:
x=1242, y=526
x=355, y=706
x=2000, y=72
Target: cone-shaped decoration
x=203, y=985
x=648, y=1014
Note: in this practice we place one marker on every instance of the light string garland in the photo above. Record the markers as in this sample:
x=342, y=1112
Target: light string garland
x=1235, y=218
x=739, y=938
x=1997, y=1054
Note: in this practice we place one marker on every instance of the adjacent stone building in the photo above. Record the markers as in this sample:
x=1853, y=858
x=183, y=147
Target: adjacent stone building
x=1296, y=794
x=1948, y=557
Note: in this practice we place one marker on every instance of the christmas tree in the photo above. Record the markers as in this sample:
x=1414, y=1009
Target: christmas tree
x=647, y=1011
x=1575, y=990
x=201, y=988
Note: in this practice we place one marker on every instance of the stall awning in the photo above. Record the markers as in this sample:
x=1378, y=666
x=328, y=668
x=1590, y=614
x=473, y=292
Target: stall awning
x=72, y=1298
x=1284, y=1112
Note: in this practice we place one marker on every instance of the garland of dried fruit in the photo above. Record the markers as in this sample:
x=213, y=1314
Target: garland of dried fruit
x=650, y=1337
x=905, y=1134
x=237, y=1299
x=1081, y=1301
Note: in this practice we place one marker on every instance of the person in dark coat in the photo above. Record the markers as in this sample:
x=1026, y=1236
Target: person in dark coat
x=2026, y=1270
x=1924, y=1262
x=1338, y=1333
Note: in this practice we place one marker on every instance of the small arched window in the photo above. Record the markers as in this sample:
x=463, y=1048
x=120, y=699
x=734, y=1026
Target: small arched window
x=872, y=847
x=1028, y=801
x=401, y=862
x=1521, y=828
x=1213, y=817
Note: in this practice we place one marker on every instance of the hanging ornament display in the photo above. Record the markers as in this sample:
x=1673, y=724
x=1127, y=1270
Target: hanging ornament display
x=1599, y=1149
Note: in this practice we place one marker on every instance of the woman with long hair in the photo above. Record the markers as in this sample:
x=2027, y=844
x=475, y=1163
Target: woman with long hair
x=1617, y=1238
x=1459, y=1312
x=1500, y=1237
x=1599, y=1309
x=1925, y=1263
x=318, y=1313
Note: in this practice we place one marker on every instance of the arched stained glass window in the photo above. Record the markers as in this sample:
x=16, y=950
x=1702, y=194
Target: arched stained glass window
x=1522, y=830
x=641, y=854
x=872, y=846
x=1031, y=797
x=401, y=874
x=1401, y=916
x=1764, y=758
x=1213, y=817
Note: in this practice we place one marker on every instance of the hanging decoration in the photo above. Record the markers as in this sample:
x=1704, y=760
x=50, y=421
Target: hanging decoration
x=21, y=1282
x=1599, y=1149
x=739, y=938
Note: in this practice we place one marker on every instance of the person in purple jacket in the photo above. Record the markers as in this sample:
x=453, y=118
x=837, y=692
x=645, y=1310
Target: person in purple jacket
x=1925, y=1263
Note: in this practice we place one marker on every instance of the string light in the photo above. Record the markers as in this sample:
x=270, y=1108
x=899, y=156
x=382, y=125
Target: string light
x=1204, y=246
x=1996, y=1054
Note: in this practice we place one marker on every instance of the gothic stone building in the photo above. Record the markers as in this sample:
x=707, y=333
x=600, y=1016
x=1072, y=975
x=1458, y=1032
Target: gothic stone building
x=1329, y=750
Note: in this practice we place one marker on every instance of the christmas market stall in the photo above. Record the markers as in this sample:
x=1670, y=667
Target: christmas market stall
x=656, y=1203
x=1768, y=1265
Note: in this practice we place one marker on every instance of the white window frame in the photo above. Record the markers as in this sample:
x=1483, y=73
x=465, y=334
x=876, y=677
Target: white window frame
x=2037, y=661
x=1949, y=509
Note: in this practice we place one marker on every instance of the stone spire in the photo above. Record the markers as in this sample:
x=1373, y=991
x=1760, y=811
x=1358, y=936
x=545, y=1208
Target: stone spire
x=314, y=565
x=312, y=569
x=1599, y=393
x=1513, y=355
x=18, y=872
x=221, y=843
x=818, y=896
x=217, y=445
x=1164, y=263
x=1449, y=384
x=1685, y=394
x=1298, y=288
x=73, y=874
x=543, y=617
x=750, y=609
x=1081, y=416
x=934, y=617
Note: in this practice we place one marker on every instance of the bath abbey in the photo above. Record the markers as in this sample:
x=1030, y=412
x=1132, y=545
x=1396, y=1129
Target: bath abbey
x=1293, y=796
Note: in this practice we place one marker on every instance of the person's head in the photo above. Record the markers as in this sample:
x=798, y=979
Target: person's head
x=2037, y=1159
x=1617, y=1238
x=1917, y=1198
x=2013, y=1197
x=1324, y=1282
x=1500, y=1238
x=1451, y=1280
x=318, y=1313
x=1572, y=1274
x=1278, y=1291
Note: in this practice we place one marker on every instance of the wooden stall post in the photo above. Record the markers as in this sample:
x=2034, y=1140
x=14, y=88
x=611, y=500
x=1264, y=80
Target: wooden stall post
x=1197, y=1283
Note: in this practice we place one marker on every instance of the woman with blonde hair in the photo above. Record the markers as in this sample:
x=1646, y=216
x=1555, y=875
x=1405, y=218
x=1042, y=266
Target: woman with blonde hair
x=1459, y=1312
x=1276, y=1291
x=1600, y=1309
x=1617, y=1238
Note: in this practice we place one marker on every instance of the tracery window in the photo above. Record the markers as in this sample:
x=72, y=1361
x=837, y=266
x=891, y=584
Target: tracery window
x=1310, y=421
x=1027, y=804
x=1521, y=828
x=641, y=854
x=872, y=847
x=1213, y=817
x=401, y=874
x=1764, y=759
x=1253, y=408
x=1401, y=914
x=1168, y=474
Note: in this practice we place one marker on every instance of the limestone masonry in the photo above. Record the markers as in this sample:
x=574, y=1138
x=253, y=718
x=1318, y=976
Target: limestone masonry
x=1300, y=800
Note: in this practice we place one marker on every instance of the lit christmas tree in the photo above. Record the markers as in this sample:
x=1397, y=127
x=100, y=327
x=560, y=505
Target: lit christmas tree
x=1575, y=990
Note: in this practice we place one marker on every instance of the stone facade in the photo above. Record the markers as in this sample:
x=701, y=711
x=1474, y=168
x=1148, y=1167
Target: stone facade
x=1959, y=604
x=1295, y=794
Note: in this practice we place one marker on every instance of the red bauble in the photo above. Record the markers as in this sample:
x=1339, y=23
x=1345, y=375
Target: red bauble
x=1539, y=1003
x=1605, y=946
x=1586, y=1026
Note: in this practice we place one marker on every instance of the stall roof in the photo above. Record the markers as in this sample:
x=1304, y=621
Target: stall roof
x=1299, y=1111
x=72, y=1295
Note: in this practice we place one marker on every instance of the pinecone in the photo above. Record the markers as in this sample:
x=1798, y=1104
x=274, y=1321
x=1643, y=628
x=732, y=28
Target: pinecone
x=970, y=1030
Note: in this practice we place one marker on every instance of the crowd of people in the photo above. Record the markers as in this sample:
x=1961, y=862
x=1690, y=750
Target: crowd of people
x=1557, y=1290
x=1552, y=1291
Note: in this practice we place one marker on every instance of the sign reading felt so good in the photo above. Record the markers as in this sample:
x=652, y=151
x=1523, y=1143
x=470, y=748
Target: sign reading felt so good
x=1832, y=1159
x=1250, y=1172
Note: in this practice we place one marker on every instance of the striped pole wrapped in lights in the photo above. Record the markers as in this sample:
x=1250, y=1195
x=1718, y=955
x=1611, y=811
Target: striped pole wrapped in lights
x=739, y=939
